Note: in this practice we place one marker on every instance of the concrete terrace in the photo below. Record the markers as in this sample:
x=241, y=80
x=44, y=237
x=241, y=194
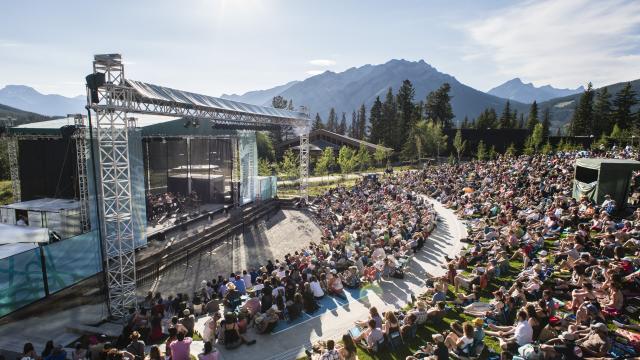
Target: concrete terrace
x=392, y=294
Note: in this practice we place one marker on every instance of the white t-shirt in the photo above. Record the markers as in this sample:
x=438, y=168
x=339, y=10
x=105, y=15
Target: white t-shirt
x=247, y=280
x=316, y=289
x=466, y=341
x=524, y=333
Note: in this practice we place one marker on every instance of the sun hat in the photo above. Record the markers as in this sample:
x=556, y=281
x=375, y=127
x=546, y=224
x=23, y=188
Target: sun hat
x=599, y=327
x=231, y=286
x=478, y=322
x=186, y=312
x=437, y=338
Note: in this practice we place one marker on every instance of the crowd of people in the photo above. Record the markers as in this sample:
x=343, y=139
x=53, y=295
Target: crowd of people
x=573, y=294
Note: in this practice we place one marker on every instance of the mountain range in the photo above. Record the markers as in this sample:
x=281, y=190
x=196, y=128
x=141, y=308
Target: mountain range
x=26, y=98
x=347, y=90
x=515, y=89
x=562, y=108
x=17, y=116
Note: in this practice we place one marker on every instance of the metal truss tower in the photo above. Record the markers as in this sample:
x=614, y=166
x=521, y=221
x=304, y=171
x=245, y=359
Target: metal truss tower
x=304, y=166
x=111, y=97
x=115, y=194
x=80, y=137
x=304, y=158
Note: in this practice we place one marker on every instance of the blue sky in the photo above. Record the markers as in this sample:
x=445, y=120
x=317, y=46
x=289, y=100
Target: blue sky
x=233, y=46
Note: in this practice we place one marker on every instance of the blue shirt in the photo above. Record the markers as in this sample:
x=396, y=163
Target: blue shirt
x=240, y=286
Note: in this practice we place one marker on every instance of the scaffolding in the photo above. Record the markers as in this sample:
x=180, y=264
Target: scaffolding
x=12, y=151
x=80, y=137
x=111, y=97
x=115, y=193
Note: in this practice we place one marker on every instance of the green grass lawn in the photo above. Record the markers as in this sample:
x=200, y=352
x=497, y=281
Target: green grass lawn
x=314, y=189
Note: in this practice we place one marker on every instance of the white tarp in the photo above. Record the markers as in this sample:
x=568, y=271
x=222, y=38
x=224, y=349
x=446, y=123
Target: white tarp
x=12, y=249
x=162, y=93
x=14, y=234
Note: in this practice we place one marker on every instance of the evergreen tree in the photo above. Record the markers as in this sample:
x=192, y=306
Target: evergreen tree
x=505, y=117
x=342, y=128
x=390, y=121
x=353, y=128
x=279, y=102
x=317, y=123
x=616, y=134
x=404, y=99
x=481, y=152
x=290, y=165
x=332, y=122
x=582, y=120
x=290, y=105
x=465, y=123
x=362, y=123
x=264, y=167
x=438, y=106
x=488, y=119
x=511, y=150
x=536, y=137
x=376, y=131
x=514, y=120
x=521, y=122
x=265, y=147
x=546, y=123
x=624, y=101
x=532, y=120
x=278, y=133
x=602, y=113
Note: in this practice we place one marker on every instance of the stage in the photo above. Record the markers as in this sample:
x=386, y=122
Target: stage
x=177, y=220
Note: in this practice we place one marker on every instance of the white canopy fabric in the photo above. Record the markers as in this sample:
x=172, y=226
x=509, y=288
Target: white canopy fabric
x=14, y=234
x=12, y=249
x=156, y=92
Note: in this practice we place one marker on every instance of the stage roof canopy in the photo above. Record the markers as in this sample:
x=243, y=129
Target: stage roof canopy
x=161, y=93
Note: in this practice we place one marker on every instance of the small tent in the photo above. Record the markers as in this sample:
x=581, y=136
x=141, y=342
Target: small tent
x=596, y=178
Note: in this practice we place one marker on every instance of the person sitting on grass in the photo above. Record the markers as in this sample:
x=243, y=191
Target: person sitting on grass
x=348, y=349
x=512, y=337
x=370, y=337
x=461, y=344
x=373, y=315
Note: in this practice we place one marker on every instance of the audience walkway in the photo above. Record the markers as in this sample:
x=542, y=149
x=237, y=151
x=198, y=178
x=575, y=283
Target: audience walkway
x=288, y=341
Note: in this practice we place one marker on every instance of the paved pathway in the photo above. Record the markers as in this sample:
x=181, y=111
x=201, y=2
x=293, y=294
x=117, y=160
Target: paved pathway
x=392, y=294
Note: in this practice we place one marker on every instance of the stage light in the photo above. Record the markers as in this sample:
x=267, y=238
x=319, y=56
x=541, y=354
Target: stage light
x=94, y=81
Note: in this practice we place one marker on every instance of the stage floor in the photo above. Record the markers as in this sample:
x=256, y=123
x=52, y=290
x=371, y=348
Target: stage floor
x=167, y=224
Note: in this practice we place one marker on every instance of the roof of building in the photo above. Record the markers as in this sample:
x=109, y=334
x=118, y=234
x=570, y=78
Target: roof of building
x=162, y=93
x=596, y=163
